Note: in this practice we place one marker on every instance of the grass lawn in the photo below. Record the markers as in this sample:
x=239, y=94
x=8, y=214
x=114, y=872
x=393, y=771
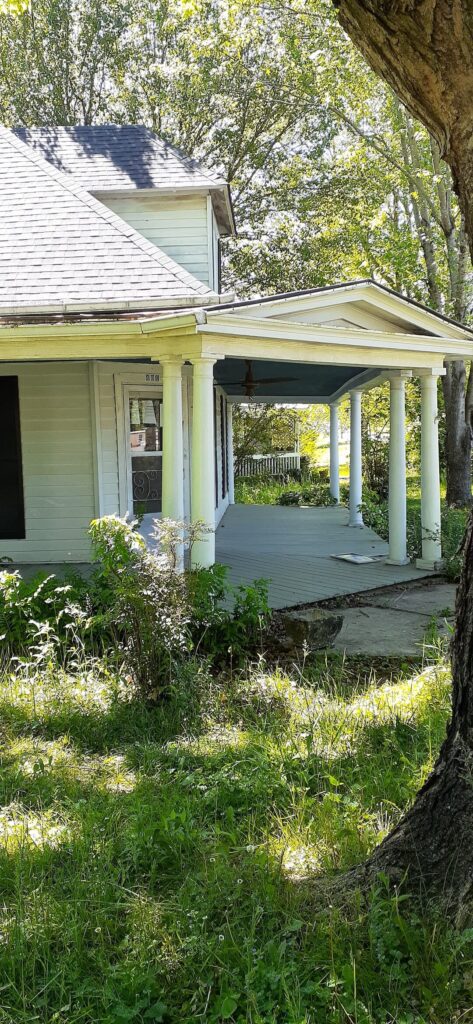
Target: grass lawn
x=167, y=864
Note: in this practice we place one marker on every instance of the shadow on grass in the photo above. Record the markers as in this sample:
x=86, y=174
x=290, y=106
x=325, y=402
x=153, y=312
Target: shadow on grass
x=144, y=867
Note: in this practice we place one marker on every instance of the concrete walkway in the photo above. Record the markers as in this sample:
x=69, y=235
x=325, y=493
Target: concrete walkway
x=397, y=621
x=292, y=548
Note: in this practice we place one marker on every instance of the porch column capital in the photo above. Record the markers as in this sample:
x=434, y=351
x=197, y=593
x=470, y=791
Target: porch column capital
x=430, y=375
x=398, y=377
x=203, y=365
x=171, y=361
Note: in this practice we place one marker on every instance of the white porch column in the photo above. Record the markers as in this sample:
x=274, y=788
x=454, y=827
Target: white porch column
x=355, y=517
x=230, y=456
x=430, y=472
x=173, y=450
x=334, y=452
x=397, y=470
x=203, y=460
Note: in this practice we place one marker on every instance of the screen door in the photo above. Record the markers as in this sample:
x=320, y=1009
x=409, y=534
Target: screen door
x=145, y=449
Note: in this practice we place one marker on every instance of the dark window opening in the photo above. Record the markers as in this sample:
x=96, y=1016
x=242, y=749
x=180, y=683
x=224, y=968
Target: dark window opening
x=215, y=448
x=12, y=509
x=223, y=445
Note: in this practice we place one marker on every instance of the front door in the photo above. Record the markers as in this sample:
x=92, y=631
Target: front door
x=145, y=451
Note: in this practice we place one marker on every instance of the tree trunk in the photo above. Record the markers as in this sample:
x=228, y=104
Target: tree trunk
x=457, y=436
x=431, y=849
x=424, y=50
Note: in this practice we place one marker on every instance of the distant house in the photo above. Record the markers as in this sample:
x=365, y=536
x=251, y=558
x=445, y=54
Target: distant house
x=121, y=360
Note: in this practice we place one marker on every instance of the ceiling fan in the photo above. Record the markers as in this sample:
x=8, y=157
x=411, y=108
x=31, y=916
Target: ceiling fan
x=251, y=384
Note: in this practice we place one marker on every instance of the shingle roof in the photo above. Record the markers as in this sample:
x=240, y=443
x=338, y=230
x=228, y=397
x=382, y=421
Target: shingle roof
x=115, y=157
x=60, y=247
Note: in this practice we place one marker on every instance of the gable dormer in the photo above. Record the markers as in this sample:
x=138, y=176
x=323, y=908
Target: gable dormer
x=171, y=200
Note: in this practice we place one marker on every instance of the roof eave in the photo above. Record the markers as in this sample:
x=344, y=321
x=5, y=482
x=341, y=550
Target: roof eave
x=176, y=303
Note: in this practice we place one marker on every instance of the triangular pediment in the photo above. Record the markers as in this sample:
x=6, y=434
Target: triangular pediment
x=362, y=305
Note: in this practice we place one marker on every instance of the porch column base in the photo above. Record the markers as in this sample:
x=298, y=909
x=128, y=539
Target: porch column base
x=398, y=561
x=426, y=563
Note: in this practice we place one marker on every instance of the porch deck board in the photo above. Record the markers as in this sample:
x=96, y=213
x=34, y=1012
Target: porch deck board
x=292, y=548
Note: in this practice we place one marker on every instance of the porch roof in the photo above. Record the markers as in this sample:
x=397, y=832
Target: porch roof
x=317, y=344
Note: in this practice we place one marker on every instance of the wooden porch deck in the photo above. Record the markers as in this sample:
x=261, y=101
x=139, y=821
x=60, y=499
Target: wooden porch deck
x=291, y=547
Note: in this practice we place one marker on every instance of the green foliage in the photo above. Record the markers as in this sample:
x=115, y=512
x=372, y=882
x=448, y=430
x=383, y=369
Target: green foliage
x=227, y=623
x=159, y=862
x=149, y=603
x=135, y=609
x=268, y=430
x=453, y=525
x=316, y=494
x=376, y=466
x=268, y=491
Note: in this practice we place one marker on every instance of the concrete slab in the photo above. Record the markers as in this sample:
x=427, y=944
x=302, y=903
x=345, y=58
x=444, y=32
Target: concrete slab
x=438, y=598
x=382, y=632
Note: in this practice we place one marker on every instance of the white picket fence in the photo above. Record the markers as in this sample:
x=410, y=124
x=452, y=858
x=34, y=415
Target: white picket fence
x=268, y=465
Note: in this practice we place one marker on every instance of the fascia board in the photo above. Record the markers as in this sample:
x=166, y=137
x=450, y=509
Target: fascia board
x=227, y=324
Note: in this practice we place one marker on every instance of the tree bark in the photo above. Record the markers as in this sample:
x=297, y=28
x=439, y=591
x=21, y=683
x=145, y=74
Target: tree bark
x=431, y=849
x=457, y=436
x=424, y=50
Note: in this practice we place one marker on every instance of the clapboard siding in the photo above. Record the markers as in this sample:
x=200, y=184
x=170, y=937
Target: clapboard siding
x=178, y=226
x=56, y=440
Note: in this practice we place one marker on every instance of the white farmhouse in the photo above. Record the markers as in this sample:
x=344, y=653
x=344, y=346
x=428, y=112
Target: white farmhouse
x=121, y=360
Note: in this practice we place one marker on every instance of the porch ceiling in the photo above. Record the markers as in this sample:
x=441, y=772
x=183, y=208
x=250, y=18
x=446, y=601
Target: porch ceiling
x=305, y=382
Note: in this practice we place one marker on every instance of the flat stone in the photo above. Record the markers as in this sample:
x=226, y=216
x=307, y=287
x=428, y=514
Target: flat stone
x=313, y=628
x=381, y=632
x=436, y=599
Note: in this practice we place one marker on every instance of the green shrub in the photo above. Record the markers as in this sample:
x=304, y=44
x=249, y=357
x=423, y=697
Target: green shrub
x=226, y=621
x=149, y=604
x=317, y=494
x=135, y=608
x=453, y=524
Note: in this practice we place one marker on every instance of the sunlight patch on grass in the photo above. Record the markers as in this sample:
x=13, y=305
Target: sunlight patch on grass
x=404, y=700
x=89, y=692
x=220, y=737
x=299, y=861
x=21, y=828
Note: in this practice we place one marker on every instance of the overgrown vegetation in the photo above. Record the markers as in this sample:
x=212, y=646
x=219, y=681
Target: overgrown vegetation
x=135, y=609
x=167, y=862
x=266, y=490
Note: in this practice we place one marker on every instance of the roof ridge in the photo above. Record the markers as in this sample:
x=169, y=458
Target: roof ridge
x=215, y=180
x=102, y=211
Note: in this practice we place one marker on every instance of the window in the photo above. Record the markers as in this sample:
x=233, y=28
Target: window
x=12, y=511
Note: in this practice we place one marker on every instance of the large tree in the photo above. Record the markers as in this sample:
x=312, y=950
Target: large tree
x=424, y=50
